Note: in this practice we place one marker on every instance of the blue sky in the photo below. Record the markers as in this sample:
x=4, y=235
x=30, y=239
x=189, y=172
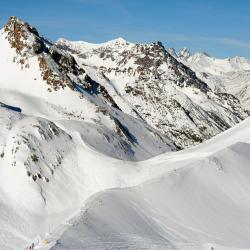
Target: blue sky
x=219, y=27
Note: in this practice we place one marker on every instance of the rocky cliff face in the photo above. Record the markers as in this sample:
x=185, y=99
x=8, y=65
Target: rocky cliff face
x=164, y=92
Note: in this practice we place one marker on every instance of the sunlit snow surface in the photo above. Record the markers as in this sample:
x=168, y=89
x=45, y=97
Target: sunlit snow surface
x=67, y=179
x=194, y=199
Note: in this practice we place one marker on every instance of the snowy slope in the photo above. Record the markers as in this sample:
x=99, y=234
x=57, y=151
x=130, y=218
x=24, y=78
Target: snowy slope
x=46, y=174
x=195, y=199
x=57, y=129
x=68, y=132
x=158, y=88
x=231, y=74
x=45, y=81
x=49, y=168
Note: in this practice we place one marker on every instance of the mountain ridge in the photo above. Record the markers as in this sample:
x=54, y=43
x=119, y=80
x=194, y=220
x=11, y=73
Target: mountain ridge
x=53, y=76
x=76, y=140
x=229, y=75
x=138, y=70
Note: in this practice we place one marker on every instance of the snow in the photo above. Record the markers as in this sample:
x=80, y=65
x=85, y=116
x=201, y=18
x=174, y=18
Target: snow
x=27, y=90
x=144, y=79
x=230, y=75
x=81, y=45
x=54, y=152
x=70, y=175
x=184, y=53
x=201, y=193
x=199, y=200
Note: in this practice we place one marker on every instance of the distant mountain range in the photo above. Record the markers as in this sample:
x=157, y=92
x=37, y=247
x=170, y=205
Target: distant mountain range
x=231, y=75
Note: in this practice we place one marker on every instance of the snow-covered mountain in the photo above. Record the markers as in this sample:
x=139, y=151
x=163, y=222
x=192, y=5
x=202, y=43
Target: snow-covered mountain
x=58, y=127
x=163, y=91
x=44, y=81
x=231, y=75
x=72, y=129
x=194, y=199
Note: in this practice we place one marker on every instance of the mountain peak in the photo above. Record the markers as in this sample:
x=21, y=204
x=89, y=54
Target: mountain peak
x=205, y=54
x=23, y=37
x=13, y=19
x=118, y=41
x=172, y=52
x=184, y=53
x=15, y=23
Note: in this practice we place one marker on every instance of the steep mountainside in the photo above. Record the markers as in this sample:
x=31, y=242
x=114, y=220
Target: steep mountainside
x=45, y=81
x=72, y=127
x=231, y=75
x=57, y=128
x=163, y=91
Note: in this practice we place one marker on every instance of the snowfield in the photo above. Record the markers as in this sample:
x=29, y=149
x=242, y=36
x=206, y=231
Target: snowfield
x=82, y=168
x=193, y=199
